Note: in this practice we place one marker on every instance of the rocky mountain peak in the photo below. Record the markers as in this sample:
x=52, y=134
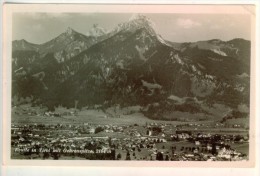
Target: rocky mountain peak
x=96, y=31
x=140, y=17
x=23, y=41
x=137, y=21
x=140, y=20
x=69, y=31
x=20, y=41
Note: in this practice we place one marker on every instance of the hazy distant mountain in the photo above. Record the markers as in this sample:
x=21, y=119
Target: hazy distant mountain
x=23, y=45
x=236, y=48
x=133, y=65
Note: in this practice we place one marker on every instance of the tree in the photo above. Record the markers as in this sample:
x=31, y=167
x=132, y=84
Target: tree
x=110, y=141
x=214, y=150
x=55, y=156
x=113, y=154
x=118, y=157
x=46, y=155
x=98, y=129
x=167, y=158
x=128, y=156
x=159, y=156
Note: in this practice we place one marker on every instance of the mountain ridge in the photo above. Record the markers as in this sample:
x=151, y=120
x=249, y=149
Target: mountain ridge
x=133, y=65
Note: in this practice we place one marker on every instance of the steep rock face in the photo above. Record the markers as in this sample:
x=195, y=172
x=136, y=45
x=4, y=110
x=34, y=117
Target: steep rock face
x=133, y=65
x=29, y=59
x=225, y=62
x=96, y=31
x=67, y=45
x=114, y=65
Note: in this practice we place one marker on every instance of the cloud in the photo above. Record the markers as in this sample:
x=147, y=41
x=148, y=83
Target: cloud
x=187, y=23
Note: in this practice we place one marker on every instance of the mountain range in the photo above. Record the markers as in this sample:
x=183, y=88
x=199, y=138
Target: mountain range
x=132, y=65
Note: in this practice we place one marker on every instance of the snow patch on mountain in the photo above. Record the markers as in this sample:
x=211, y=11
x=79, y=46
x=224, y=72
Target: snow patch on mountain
x=151, y=85
x=194, y=69
x=140, y=52
x=243, y=75
x=178, y=59
x=19, y=69
x=218, y=51
x=209, y=77
x=176, y=98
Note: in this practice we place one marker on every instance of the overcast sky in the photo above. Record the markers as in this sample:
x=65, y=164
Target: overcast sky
x=42, y=27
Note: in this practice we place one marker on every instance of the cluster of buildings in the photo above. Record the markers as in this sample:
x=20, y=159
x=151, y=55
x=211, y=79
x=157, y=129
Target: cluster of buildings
x=122, y=142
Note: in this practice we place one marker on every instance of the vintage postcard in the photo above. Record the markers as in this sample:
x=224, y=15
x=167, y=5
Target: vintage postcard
x=160, y=85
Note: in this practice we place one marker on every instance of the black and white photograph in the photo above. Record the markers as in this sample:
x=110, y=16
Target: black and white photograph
x=131, y=86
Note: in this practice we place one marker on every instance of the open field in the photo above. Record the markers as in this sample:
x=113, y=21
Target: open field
x=94, y=117
x=98, y=117
x=238, y=121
